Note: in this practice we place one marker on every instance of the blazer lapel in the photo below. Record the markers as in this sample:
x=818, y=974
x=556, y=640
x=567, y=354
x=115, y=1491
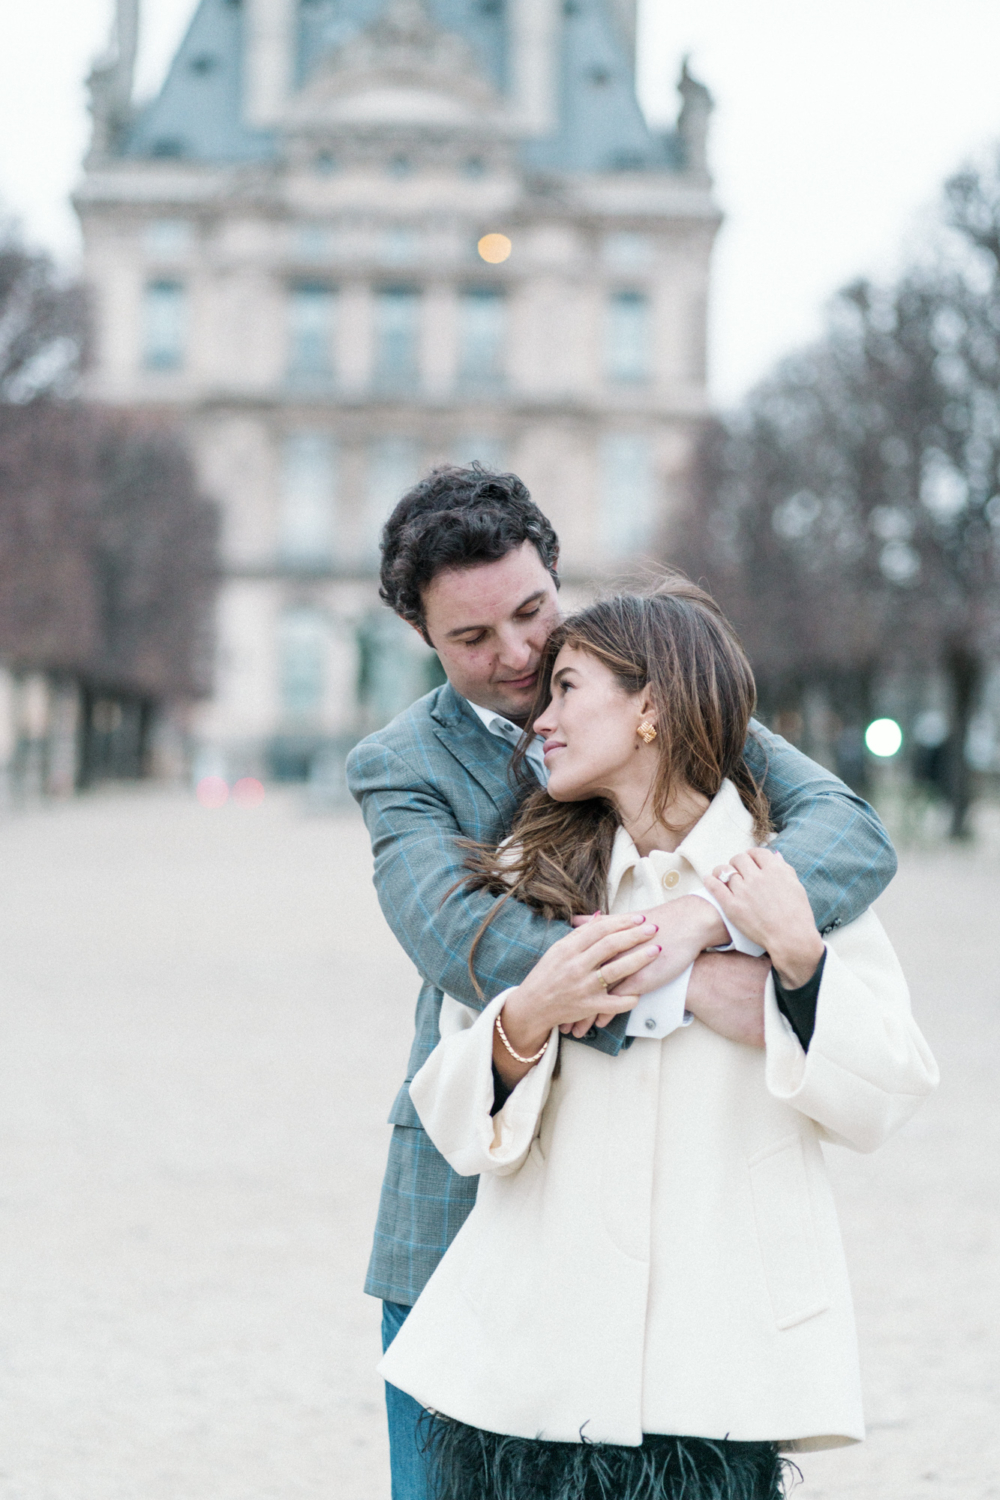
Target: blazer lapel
x=483, y=755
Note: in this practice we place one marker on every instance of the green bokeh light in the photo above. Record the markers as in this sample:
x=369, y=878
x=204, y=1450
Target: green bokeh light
x=883, y=737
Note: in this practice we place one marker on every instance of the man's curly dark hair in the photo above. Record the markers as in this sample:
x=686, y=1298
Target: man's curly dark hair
x=455, y=518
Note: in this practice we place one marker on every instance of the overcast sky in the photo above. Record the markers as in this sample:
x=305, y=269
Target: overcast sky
x=836, y=122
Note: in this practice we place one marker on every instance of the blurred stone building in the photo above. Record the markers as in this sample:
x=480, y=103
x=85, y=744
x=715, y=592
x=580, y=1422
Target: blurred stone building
x=290, y=247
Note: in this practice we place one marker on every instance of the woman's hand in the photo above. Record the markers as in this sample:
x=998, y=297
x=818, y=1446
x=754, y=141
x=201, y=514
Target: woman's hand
x=763, y=897
x=568, y=986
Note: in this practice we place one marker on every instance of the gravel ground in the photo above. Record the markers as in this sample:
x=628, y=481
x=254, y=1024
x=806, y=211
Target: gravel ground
x=203, y=1021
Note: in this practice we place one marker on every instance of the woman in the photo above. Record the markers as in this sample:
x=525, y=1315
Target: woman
x=649, y=1299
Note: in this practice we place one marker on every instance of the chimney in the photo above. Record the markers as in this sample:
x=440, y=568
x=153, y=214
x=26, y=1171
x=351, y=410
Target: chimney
x=267, y=65
x=110, y=83
x=625, y=13
x=126, y=45
x=534, y=37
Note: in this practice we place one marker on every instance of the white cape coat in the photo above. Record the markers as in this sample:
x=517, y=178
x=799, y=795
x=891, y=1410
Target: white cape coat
x=654, y=1247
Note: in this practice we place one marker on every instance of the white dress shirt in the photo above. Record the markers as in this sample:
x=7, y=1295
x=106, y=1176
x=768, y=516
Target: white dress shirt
x=507, y=731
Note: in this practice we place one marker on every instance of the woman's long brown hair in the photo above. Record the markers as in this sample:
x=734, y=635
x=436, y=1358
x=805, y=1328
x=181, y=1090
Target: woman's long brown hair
x=675, y=641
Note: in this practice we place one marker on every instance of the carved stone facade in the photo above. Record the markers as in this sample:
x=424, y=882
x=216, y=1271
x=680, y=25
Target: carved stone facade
x=282, y=248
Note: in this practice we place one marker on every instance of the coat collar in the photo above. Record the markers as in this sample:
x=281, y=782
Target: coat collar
x=725, y=828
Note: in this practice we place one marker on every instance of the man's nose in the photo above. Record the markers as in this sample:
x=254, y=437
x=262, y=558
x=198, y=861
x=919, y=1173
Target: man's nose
x=515, y=651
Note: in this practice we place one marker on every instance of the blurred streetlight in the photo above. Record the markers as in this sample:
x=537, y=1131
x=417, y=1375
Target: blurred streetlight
x=883, y=737
x=494, y=248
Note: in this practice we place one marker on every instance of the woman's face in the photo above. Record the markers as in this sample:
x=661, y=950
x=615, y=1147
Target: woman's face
x=589, y=728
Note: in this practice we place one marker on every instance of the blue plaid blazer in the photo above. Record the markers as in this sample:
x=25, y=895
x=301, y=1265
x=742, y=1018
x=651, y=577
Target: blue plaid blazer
x=436, y=775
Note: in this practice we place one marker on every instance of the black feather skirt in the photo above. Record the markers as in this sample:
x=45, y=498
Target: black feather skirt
x=467, y=1463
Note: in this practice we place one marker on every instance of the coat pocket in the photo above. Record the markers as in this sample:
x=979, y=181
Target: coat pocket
x=786, y=1232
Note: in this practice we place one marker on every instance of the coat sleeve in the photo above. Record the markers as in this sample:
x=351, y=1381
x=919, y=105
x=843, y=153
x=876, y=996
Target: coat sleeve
x=419, y=866
x=453, y=1095
x=868, y=1067
x=832, y=839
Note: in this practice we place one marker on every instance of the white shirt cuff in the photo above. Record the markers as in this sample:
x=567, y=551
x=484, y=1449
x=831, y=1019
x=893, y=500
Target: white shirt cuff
x=662, y=1011
x=738, y=941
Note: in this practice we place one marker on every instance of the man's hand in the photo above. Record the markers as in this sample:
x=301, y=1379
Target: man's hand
x=568, y=981
x=726, y=993
x=687, y=926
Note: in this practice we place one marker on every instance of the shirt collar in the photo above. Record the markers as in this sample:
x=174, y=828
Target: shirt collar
x=507, y=731
x=495, y=723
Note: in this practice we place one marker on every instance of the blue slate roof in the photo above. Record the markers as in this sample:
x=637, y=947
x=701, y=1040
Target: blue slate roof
x=198, y=112
x=601, y=127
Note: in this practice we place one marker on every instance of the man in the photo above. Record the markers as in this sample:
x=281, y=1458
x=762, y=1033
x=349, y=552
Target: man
x=470, y=562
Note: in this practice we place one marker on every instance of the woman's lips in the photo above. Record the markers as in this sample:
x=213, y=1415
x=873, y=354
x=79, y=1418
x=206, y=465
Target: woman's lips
x=551, y=745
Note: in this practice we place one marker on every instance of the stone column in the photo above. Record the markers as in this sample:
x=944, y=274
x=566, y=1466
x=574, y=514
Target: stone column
x=439, y=337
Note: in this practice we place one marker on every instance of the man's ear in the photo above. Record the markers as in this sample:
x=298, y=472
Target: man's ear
x=422, y=632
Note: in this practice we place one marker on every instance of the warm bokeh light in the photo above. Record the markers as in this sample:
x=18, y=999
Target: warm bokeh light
x=883, y=737
x=248, y=792
x=494, y=248
x=212, y=791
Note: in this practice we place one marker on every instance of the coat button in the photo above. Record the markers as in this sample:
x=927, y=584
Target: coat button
x=670, y=879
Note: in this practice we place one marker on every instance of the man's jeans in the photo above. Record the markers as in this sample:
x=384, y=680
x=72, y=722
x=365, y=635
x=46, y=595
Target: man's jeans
x=409, y=1466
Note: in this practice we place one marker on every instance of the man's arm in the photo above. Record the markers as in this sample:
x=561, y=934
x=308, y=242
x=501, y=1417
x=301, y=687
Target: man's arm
x=832, y=839
x=419, y=867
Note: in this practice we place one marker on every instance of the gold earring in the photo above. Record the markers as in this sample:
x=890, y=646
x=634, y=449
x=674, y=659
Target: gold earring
x=647, y=731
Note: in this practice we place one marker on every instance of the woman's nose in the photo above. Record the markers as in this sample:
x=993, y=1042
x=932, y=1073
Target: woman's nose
x=545, y=724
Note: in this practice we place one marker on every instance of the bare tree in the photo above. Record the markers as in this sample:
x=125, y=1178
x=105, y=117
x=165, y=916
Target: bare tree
x=42, y=324
x=154, y=561
x=848, y=514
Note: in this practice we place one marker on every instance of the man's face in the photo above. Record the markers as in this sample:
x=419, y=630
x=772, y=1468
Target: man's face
x=489, y=624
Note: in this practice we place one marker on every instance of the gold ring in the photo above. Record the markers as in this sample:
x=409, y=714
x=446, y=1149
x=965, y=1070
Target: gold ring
x=604, y=982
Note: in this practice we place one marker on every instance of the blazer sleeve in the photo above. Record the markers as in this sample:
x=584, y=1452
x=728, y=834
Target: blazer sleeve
x=868, y=1067
x=833, y=840
x=453, y=1095
x=419, y=866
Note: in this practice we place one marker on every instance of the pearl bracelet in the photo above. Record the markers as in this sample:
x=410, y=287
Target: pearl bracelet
x=516, y=1055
